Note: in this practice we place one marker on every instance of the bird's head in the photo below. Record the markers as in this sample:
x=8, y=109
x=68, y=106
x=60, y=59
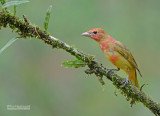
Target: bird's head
x=96, y=34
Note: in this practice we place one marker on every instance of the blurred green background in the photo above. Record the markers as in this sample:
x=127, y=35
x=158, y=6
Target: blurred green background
x=31, y=72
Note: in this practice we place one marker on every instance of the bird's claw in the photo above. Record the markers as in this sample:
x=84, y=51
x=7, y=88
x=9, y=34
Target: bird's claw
x=126, y=81
x=108, y=70
x=114, y=70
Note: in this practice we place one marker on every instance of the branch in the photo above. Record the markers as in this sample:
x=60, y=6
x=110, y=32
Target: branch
x=26, y=29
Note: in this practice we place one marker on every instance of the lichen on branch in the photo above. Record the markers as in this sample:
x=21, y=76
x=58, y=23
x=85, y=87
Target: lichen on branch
x=28, y=30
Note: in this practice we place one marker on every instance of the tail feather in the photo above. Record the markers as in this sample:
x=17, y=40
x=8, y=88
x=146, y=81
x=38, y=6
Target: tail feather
x=133, y=77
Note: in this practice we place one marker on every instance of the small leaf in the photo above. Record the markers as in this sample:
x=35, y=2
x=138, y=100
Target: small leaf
x=74, y=63
x=12, y=3
x=8, y=44
x=3, y=2
x=46, y=21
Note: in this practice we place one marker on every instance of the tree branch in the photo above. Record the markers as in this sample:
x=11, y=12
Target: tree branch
x=26, y=29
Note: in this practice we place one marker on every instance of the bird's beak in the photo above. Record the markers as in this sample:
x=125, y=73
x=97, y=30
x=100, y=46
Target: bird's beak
x=86, y=34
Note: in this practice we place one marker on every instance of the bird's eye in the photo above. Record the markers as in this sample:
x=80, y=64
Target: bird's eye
x=95, y=32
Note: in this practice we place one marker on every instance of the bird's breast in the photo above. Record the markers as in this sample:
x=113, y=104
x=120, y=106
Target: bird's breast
x=112, y=56
x=107, y=45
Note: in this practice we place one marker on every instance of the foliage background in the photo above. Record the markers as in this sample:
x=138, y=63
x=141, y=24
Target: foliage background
x=31, y=72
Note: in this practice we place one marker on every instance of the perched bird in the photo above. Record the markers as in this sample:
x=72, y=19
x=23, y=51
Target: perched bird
x=117, y=53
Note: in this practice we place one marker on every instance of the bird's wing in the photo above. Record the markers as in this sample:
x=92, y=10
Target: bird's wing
x=124, y=51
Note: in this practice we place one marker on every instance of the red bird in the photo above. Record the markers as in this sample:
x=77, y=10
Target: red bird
x=117, y=53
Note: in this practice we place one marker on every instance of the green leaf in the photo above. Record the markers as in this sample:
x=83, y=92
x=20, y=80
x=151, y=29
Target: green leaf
x=3, y=2
x=8, y=44
x=12, y=3
x=73, y=64
x=46, y=21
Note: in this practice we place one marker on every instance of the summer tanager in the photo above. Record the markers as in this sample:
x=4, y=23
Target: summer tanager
x=117, y=53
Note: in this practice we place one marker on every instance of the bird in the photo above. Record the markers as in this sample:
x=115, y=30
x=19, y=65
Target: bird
x=117, y=53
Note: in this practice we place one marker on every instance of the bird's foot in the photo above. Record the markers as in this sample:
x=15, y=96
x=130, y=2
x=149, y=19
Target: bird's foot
x=114, y=70
x=126, y=81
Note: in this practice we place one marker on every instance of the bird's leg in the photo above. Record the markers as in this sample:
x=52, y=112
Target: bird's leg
x=108, y=70
x=127, y=79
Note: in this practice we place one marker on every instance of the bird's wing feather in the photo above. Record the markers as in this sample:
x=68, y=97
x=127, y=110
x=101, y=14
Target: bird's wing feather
x=124, y=51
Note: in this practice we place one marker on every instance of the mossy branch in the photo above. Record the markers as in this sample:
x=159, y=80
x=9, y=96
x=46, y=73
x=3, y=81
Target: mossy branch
x=26, y=29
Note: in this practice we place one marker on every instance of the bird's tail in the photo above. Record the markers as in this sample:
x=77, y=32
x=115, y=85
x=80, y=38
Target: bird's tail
x=133, y=77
